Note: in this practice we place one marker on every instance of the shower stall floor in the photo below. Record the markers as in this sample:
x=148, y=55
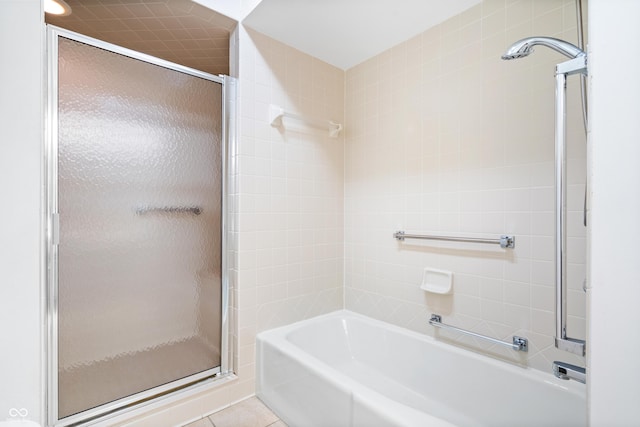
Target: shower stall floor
x=86, y=386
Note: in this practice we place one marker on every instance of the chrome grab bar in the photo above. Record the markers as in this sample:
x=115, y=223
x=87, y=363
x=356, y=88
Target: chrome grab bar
x=143, y=210
x=518, y=343
x=562, y=341
x=503, y=241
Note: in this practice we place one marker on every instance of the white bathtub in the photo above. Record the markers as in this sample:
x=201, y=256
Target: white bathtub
x=344, y=369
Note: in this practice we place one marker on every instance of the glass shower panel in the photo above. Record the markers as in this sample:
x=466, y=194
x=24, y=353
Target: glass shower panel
x=139, y=201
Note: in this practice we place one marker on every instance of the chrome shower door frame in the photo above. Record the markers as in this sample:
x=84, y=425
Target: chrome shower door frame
x=51, y=221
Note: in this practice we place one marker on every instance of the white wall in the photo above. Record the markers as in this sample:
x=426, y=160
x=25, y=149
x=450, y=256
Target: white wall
x=21, y=133
x=614, y=289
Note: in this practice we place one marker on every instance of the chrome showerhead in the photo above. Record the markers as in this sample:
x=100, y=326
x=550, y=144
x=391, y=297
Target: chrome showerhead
x=524, y=47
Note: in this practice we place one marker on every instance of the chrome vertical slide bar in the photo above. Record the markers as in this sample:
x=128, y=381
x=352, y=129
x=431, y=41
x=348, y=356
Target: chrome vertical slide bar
x=562, y=341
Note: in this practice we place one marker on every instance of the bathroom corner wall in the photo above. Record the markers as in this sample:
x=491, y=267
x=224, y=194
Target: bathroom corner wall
x=444, y=137
x=290, y=195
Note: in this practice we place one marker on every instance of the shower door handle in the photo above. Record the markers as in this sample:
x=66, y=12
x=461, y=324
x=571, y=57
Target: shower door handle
x=55, y=229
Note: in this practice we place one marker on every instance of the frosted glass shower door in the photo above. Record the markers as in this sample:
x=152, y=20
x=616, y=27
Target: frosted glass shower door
x=139, y=158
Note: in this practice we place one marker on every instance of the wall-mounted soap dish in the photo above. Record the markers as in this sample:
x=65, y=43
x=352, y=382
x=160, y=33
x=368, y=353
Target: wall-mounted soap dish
x=437, y=281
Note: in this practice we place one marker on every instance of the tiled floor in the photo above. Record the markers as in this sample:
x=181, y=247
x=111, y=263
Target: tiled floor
x=248, y=413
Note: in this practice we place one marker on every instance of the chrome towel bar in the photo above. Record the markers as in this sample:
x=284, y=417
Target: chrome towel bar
x=194, y=210
x=518, y=343
x=503, y=241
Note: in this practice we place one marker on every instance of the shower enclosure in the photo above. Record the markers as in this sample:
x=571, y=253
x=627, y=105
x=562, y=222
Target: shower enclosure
x=136, y=227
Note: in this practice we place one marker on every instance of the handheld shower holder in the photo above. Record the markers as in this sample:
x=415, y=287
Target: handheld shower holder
x=577, y=64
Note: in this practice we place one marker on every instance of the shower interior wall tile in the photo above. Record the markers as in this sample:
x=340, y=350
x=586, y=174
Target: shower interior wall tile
x=460, y=142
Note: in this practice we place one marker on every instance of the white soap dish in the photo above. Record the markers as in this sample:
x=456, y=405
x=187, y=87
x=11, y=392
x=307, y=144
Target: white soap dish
x=437, y=281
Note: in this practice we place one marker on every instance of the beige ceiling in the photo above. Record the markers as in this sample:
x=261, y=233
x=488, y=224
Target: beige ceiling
x=179, y=31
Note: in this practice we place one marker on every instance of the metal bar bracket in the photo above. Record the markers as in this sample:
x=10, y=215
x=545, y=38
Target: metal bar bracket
x=573, y=66
x=571, y=345
x=507, y=242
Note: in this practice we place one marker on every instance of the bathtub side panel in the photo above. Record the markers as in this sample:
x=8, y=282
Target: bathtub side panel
x=297, y=392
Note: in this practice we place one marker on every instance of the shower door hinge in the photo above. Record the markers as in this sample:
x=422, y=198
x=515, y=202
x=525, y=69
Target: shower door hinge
x=55, y=229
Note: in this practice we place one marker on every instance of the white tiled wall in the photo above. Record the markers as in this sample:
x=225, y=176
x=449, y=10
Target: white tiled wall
x=290, y=191
x=444, y=137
